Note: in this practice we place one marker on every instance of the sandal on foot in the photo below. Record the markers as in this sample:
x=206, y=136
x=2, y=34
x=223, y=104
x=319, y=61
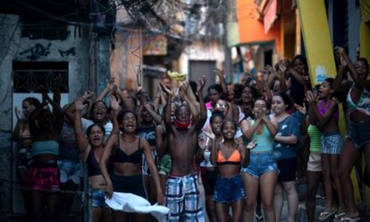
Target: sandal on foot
x=326, y=214
x=259, y=217
x=350, y=219
x=339, y=216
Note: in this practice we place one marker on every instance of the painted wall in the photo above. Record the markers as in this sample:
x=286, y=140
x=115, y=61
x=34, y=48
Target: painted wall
x=15, y=48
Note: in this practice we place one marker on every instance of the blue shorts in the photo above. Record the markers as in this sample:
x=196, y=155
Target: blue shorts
x=332, y=143
x=70, y=170
x=359, y=133
x=98, y=198
x=228, y=190
x=261, y=163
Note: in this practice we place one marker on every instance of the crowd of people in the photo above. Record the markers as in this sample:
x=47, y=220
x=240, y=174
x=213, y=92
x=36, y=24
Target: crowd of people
x=246, y=143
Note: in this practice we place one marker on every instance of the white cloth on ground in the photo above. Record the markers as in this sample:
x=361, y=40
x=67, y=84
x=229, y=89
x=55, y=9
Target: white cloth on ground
x=131, y=203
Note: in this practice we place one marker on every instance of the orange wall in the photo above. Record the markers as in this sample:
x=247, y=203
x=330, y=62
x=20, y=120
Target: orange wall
x=251, y=29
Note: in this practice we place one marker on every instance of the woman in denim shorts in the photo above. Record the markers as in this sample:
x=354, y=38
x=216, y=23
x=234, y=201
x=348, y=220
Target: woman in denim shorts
x=229, y=156
x=91, y=146
x=262, y=171
x=358, y=137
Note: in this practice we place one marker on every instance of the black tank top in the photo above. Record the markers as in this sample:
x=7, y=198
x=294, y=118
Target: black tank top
x=120, y=156
x=92, y=165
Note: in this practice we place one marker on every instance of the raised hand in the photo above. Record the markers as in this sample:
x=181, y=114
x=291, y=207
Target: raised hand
x=306, y=78
x=79, y=104
x=282, y=66
x=259, y=114
x=202, y=83
x=302, y=109
x=114, y=103
x=45, y=97
x=269, y=69
x=18, y=113
x=165, y=89
x=220, y=73
x=110, y=83
x=88, y=94
x=340, y=50
x=182, y=90
x=209, y=134
x=310, y=97
x=142, y=96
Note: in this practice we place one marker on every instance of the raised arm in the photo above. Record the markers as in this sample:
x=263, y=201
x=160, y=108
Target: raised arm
x=71, y=109
x=106, y=90
x=58, y=114
x=19, y=127
x=82, y=141
x=281, y=74
x=220, y=73
x=143, y=101
x=322, y=120
x=124, y=98
x=167, y=111
x=157, y=98
x=203, y=110
x=192, y=104
x=352, y=70
x=339, y=84
x=114, y=104
x=297, y=76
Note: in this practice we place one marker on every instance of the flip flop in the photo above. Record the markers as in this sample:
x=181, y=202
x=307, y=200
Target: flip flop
x=350, y=219
x=259, y=217
x=339, y=216
x=326, y=214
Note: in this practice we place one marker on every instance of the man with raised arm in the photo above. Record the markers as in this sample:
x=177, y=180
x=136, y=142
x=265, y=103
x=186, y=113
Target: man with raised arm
x=182, y=193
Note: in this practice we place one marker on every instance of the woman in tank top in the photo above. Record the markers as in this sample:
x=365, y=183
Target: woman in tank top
x=208, y=171
x=262, y=171
x=358, y=135
x=43, y=176
x=92, y=148
x=125, y=150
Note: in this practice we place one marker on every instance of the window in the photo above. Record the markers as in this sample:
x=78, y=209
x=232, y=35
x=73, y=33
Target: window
x=32, y=77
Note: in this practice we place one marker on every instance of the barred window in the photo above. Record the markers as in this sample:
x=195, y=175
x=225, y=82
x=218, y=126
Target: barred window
x=33, y=77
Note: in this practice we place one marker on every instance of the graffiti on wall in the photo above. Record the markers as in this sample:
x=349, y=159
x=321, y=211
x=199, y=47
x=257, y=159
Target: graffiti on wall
x=71, y=51
x=37, y=51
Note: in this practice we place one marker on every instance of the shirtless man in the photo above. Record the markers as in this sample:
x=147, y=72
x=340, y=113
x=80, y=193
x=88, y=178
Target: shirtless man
x=182, y=193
